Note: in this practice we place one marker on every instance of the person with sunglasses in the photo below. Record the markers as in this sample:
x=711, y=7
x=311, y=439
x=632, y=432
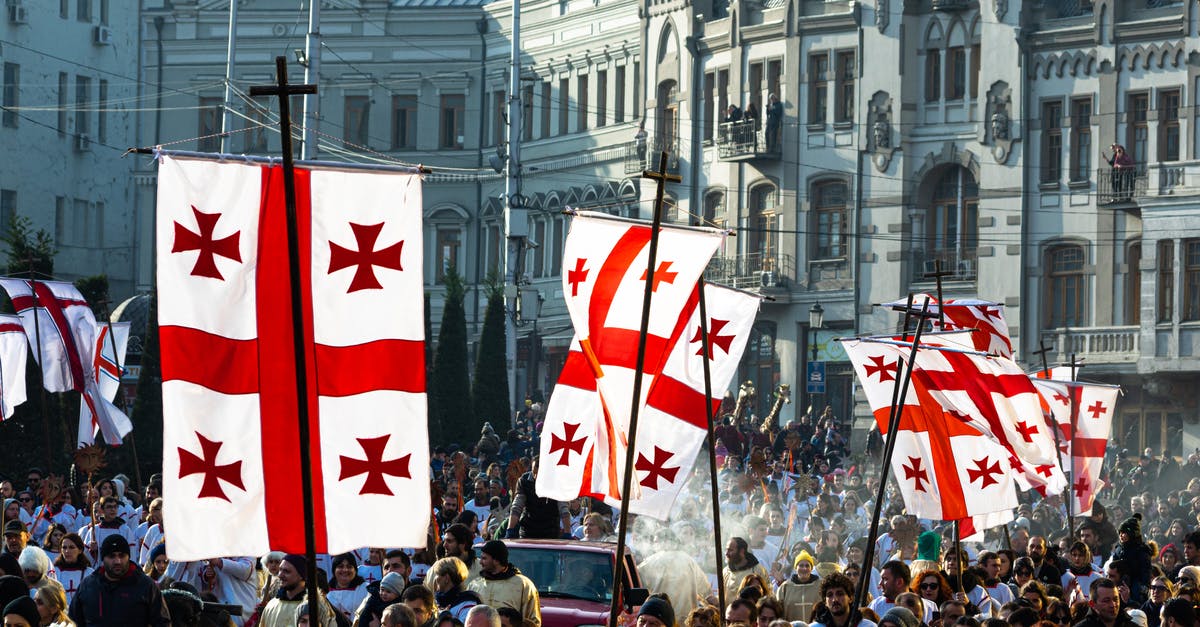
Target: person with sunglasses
x=1160, y=590
x=1022, y=571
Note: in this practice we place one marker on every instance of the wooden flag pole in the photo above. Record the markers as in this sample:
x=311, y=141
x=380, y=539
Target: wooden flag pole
x=112, y=338
x=712, y=450
x=1071, y=429
x=661, y=177
x=37, y=342
x=899, y=395
x=284, y=92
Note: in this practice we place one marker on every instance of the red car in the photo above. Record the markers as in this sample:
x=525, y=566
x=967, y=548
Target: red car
x=574, y=579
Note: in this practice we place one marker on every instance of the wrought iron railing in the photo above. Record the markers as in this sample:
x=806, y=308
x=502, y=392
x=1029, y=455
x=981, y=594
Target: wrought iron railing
x=744, y=138
x=961, y=263
x=752, y=270
x=1117, y=185
x=644, y=154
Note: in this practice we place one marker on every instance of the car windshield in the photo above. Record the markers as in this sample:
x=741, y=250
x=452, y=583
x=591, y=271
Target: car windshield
x=566, y=574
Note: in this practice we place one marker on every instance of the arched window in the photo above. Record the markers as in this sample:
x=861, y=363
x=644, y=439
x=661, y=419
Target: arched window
x=446, y=230
x=829, y=219
x=668, y=115
x=933, y=63
x=952, y=222
x=1065, y=289
x=762, y=222
x=714, y=208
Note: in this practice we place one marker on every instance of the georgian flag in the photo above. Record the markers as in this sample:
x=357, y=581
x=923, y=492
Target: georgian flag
x=108, y=358
x=605, y=271
x=1084, y=426
x=230, y=411
x=14, y=354
x=946, y=469
x=984, y=318
x=56, y=316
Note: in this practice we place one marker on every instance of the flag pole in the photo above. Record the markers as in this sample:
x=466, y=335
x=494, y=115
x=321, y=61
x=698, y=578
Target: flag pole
x=1043, y=348
x=112, y=338
x=712, y=449
x=37, y=341
x=661, y=177
x=284, y=91
x=899, y=395
x=1070, y=490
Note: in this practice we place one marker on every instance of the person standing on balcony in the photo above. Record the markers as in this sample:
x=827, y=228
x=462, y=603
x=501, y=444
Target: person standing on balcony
x=639, y=142
x=774, y=121
x=1122, y=172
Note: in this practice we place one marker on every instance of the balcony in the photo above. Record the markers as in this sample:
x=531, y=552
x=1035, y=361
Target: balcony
x=1114, y=187
x=960, y=263
x=763, y=271
x=1095, y=345
x=641, y=156
x=950, y=5
x=743, y=141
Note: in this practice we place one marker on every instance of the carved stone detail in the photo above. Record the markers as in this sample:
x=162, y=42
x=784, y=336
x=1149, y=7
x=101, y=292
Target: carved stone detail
x=882, y=16
x=997, y=130
x=881, y=142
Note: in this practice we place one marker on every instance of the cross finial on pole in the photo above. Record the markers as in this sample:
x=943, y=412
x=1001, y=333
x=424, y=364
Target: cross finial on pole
x=937, y=275
x=1074, y=364
x=662, y=178
x=1044, y=348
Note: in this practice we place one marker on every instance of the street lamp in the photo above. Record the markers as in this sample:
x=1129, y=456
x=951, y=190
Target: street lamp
x=816, y=319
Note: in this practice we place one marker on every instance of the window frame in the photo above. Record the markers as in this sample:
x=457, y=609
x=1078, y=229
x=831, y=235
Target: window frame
x=818, y=88
x=404, y=127
x=1190, y=308
x=1051, y=170
x=1165, y=288
x=1081, y=139
x=845, y=75
x=956, y=73
x=1168, y=124
x=1065, y=290
x=452, y=121
x=356, y=133
x=825, y=231
x=1137, y=123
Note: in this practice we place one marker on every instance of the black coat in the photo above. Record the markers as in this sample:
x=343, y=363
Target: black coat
x=133, y=600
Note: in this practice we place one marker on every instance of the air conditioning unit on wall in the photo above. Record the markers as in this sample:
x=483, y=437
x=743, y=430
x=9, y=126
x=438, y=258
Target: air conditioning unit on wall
x=102, y=36
x=17, y=14
x=83, y=142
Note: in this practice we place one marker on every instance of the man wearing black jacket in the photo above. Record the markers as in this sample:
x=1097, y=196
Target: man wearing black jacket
x=118, y=593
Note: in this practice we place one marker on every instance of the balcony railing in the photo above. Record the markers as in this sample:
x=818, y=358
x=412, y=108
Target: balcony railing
x=644, y=155
x=1105, y=345
x=1121, y=186
x=752, y=271
x=960, y=263
x=743, y=140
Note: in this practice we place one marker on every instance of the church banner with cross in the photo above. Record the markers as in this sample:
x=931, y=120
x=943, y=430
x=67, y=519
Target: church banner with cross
x=1085, y=424
x=231, y=445
x=605, y=274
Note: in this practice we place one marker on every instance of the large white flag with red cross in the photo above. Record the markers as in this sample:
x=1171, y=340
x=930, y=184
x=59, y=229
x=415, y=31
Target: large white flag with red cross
x=1083, y=413
x=983, y=318
x=946, y=468
x=62, y=333
x=230, y=410
x=14, y=354
x=605, y=273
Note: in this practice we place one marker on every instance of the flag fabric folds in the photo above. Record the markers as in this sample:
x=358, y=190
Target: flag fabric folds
x=108, y=359
x=55, y=316
x=226, y=324
x=604, y=278
x=14, y=354
x=984, y=318
x=1083, y=413
x=946, y=469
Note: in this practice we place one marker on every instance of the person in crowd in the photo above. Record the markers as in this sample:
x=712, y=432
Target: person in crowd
x=741, y=610
x=230, y=580
x=449, y=576
x=118, y=594
x=802, y=590
x=72, y=564
x=836, y=607
x=1159, y=591
x=502, y=584
x=739, y=562
x=1104, y=606
x=1136, y=556
x=421, y=601
x=22, y=612
x=532, y=516
x=657, y=611
x=282, y=609
x=400, y=615
x=347, y=590
x=51, y=604
x=16, y=537
x=381, y=594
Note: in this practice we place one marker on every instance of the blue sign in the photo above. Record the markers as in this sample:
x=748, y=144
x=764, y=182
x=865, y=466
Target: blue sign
x=814, y=381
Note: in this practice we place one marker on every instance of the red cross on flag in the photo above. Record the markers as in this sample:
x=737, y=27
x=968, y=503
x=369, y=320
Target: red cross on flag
x=984, y=317
x=946, y=469
x=106, y=363
x=14, y=354
x=604, y=278
x=1083, y=434
x=55, y=315
x=994, y=395
x=230, y=416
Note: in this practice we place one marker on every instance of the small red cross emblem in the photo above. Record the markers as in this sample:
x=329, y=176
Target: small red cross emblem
x=657, y=468
x=714, y=338
x=983, y=472
x=365, y=258
x=1026, y=430
x=577, y=276
x=915, y=472
x=567, y=443
x=661, y=275
x=206, y=264
x=990, y=312
x=1097, y=409
x=884, y=370
x=1082, y=487
x=1016, y=464
x=1062, y=399
x=1044, y=470
x=374, y=466
x=190, y=464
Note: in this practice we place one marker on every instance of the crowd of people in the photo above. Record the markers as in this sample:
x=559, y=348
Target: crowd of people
x=795, y=511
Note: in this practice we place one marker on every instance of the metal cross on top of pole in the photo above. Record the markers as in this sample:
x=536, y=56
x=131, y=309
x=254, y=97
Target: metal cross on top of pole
x=662, y=178
x=284, y=91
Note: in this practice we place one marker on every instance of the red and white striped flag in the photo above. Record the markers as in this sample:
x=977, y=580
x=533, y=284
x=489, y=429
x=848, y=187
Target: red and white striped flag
x=946, y=469
x=231, y=447
x=1084, y=429
x=604, y=279
x=14, y=354
x=56, y=316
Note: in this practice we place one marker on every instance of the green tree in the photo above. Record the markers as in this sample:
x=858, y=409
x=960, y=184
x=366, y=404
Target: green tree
x=147, y=405
x=95, y=292
x=450, y=387
x=435, y=427
x=29, y=251
x=490, y=386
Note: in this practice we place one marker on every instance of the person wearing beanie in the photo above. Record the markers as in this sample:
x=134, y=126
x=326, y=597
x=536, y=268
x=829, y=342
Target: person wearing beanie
x=801, y=590
x=118, y=593
x=1137, y=557
x=280, y=611
x=22, y=612
x=656, y=612
x=380, y=595
x=12, y=587
x=898, y=617
x=501, y=584
x=35, y=565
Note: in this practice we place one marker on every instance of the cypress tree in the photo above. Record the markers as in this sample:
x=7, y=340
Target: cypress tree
x=450, y=387
x=490, y=386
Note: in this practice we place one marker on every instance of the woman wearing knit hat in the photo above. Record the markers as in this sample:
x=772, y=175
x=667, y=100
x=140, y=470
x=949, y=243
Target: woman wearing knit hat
x=801, y=590
x=22, y=612
x=899, y=617
x=656, y=612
